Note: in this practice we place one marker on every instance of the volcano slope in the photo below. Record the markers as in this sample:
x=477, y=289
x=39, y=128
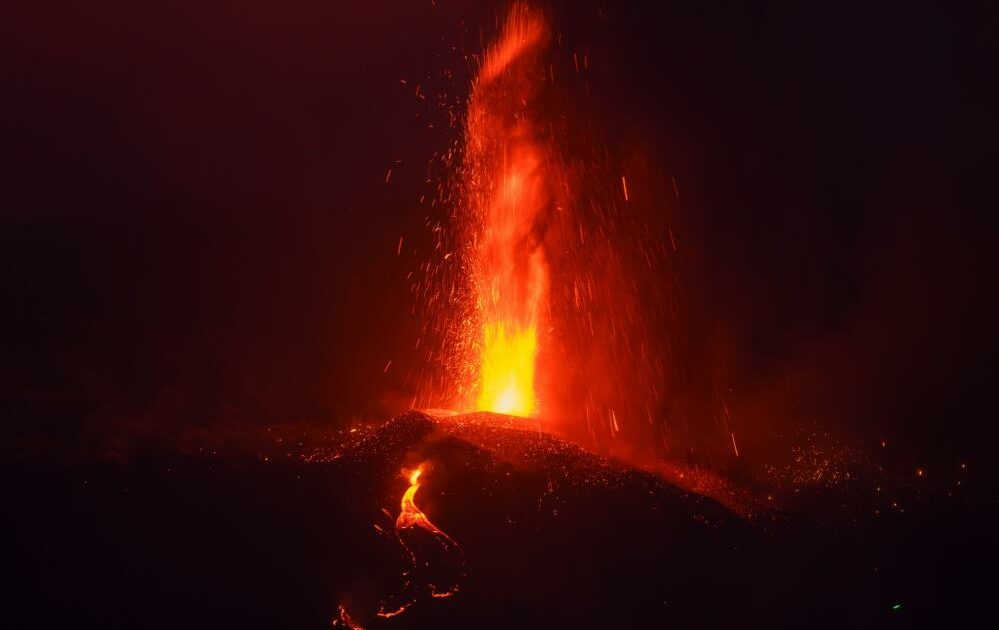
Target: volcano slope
x=549, y=536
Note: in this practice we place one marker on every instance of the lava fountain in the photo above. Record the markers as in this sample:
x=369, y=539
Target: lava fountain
x=505, y=192
x=550, y=294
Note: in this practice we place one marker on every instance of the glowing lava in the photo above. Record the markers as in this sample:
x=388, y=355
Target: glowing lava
x=411, y=516
x=505, y=194
x=434, y=560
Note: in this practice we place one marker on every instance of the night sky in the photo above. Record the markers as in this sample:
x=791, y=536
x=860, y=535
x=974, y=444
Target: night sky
x=197, y=231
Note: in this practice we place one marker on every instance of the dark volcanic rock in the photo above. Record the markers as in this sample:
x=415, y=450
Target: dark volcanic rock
x=550, y=536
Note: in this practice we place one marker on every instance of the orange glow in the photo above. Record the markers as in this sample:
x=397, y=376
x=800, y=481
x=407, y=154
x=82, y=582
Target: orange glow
x=346, y=620
x=412, y=518
x=524, y=28
x=388, y=614
x=507, y=377
x=549, y=292
x=410, y=515
x=506, y=192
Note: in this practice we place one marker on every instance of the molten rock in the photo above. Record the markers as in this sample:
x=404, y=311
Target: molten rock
x=548, y=532
x=501, y=527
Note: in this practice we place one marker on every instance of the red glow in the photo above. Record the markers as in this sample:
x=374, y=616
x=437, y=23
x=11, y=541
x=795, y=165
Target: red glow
x=506, y=190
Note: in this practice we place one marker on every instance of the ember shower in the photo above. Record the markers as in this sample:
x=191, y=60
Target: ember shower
x=550, y=292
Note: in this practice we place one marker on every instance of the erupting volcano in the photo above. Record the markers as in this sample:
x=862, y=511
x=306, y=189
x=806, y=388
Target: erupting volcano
x=664, y=315
x=550, y=293
x=506, y=192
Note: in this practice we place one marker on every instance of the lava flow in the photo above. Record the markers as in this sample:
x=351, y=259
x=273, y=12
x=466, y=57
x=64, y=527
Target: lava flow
x=505, y=193
x=435, y=558
x=411, y=521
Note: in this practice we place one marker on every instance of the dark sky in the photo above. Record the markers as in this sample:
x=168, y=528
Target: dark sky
x=196, y=226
